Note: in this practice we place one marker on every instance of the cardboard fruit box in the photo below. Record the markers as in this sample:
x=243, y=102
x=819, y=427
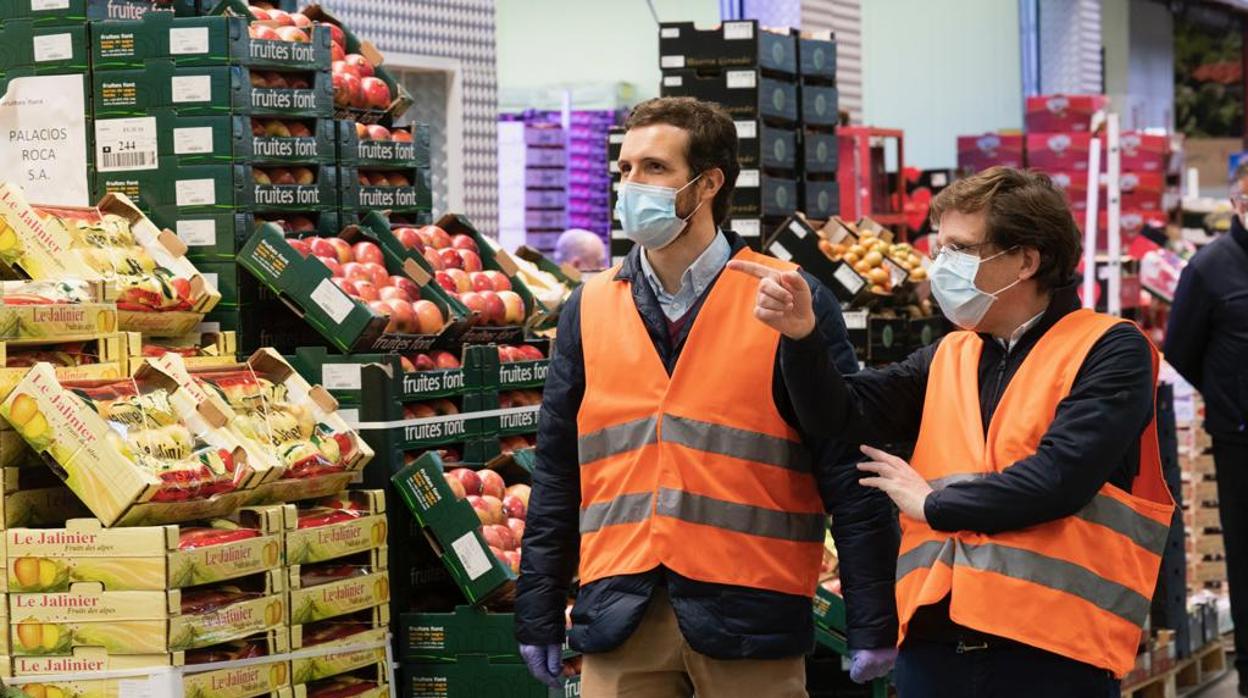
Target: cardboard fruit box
x=218, y=236
x=55, y=310
x=144, y=558
x=744, y=93
x=199, y=350
x=73, y=12
x=820, y=198
x=447, y=637
x=100, y=358
x=270, y=678
x=323, y=590
x=471, y=676
x=453, y=529
x=1065, y=151
x=24, y=43
x=760, y=145
x=34, y=496
x=740, y=44
x=414, y=196
x=820, y=152
x=145, y=622
x=820, y=105
x=198, y=41
x=763, y=195
x=1048, y=113
x=349, y=377
x=342, y=525
x=209, y=90
x=980, y=152
x=364, y=635
x=369, y=682
x=158, y=290
x=171, y=467
x=348, y=323
x=212, y=140
x=281, y=418
x=516, y=374
x=381, y=148
x=227, y=187
x=796, y=241
x=816, y=56
x=84, y=662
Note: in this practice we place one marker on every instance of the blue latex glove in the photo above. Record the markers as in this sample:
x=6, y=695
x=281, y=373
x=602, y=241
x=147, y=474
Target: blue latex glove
x=868, y=665
x=545, y=663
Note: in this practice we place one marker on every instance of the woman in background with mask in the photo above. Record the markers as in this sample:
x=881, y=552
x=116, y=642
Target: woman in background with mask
x=1033, y=510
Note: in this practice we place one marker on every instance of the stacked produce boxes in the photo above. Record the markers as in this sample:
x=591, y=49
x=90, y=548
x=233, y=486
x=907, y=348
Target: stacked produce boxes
x=533, y=181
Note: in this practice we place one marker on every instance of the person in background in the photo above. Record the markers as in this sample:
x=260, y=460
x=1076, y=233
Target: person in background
x=671, y=474
x=1033, y=510
x=1207, y=343
x=582, y=249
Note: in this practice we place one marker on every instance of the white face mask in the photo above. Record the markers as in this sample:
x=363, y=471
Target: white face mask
x=648, y=213
x=953, y=284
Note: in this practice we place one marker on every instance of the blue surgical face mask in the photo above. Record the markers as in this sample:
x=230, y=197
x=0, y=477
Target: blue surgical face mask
x=648, y=213
x=953, y=284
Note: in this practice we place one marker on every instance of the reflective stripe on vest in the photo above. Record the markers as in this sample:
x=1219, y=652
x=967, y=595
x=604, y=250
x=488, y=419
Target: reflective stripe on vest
x=1079, y=586
x=712, y=484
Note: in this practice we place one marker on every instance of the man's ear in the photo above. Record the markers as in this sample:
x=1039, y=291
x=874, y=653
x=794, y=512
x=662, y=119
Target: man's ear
x=1031, y=262
x=712, y=181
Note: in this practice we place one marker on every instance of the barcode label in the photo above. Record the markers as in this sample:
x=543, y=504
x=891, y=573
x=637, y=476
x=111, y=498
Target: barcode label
x=779, y=252
x=188, y=40
x=126, y=144
x=747, y=129
x=742, y=79
x=748, y=228
x=471, y=555
x=855, y=319
x=798, y=229
x=747, y=179
x=336, y=304
x=849, y=279
x=192, y=140
x=673, y=81
x=341, y=376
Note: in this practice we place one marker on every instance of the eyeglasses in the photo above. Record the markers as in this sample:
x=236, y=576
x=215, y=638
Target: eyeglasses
x=938, y=250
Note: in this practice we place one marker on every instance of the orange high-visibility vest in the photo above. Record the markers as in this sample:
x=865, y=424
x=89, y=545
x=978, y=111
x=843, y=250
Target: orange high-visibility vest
x=696, y=471
x=1079, y=586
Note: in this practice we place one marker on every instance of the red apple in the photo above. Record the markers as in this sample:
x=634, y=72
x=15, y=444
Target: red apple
x=409, y=239
x=441, y=238
x=344, y=68
x=377, y=132
x=469, y=479
x=528, y=352
x=445, y=281
x=495, y=311
x=520, y=492
x=258, y=128
x=507, y=354
x=472, y=261
x=451, y=258
x=298, y=82
x=366, y=290
x=276, y=80
x=511, y=558
x=347, y=286
x=322, y=247
x=363, y=178
x=493, y=505
x=444, y=359
x=457, y=487
x=411, y=288
x=399, y=180
x=504, y=534
x=362, y=64
x=423, y=362
x=377, y=274
x=303, y=176
x=401, y=135
x=406, y=365
x=344, y=249
x=281, y=175
x=264, y=33
x=429, y=317
x=401, y=314
x=301, y=246
x=434, y=259
x=388, y=292
x=464, y=242
x=476, y=304
x=294, y=34
x=376, y=93
x=344, y=90
x=514, y=507
x=258, y=79
x=301, y=20
x=336, y=35
x=516, y=525
x=494, y=538
x=444, y=407
x=481, y=282
x=281, y=18
x=334, y=267
x=513, y=306
x=298, y=129
x=418, y=410
x=481, y=509
x=500, y=280
x=492, y=484
x=356, y=272
x=368, y=252
x=336, y=53
x=463, y=283
x=361, y=131
x=260, y=177
x=258, y=12
x=301, y=224
x=377, y=179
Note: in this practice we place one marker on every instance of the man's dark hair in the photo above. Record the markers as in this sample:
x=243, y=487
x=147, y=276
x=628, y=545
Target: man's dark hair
x=1021, y=209
x=712, y=139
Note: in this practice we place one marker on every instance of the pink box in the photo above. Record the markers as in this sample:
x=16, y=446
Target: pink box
x=1047, y=113
x=980, y=152
x=1143, y=152
x=1064, y=151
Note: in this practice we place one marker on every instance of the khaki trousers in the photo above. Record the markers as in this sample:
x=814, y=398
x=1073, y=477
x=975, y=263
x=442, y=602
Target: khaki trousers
x=657, y=662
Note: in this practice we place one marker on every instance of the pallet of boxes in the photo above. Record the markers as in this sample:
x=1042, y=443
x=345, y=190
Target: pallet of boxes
x=1205, y=552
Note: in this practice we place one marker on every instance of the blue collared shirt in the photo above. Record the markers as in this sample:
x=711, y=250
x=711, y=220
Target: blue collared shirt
x=694, y=282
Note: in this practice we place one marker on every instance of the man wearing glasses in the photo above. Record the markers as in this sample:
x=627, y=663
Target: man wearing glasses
x=1033, y=509
x=1207, y=342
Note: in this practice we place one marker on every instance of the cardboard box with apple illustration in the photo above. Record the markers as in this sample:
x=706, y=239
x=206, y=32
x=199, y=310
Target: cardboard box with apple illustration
x=83, y=662
x=144, y=557
x=73, y=12
x=372, y=681
x=226, y=188
x=145, y=622
x=381, y=148
x=320, y=591
x=210, y=90
x=200, y=41
x=199, y=350
x=24, y=43
x=364, y=635
x=265, y=678
x=347, y=322
x=100, y=358
x=337, y=526
x=38, y=312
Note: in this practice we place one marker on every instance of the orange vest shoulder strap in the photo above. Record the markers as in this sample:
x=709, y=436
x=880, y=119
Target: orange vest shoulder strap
x=745, y=254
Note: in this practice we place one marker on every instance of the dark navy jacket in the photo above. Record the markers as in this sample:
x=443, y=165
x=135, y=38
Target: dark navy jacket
x=720, y=621
x=1207, y=336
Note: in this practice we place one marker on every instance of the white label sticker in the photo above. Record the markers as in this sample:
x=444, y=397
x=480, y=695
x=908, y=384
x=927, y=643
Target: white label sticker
x=43, y=139
x=747, y=129
x=195, y=192
x=673, y=81
x=208, y=327
x=126, y=144
x=192, y=141
x=738, y=30
x=43, y=5
x=192, y=88
x=671, y=61
x=352, y=416
x=747, y=179
x=211, y=277
x=798, y=229
x=198, y=233
x=54, y=47
x=849, y=279
x=471, y=555
x=341, y=376
x=855, y=319
x=613, y=167
x=332, y=300
x=188, y=40
x=896, y=274
x=615, y=138
x=742, y=79
x=617, y=234
x=669, y=33
x=779, y=252
x=748, y=228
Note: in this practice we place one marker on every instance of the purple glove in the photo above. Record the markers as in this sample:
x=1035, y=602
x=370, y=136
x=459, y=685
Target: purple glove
x=868, y=665
x=545, y=663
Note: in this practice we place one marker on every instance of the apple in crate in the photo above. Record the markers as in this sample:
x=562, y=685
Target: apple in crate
x=377, y=132
x=301, y=224
x=260, y=177
x=361, y=64
x=444, y=359
x=322, y=247
x=530, y=352
x=258, y=12
x=401, y=135
x=520, y=492
x=429, y=317
x=434, y=259
x=303, y=176
x=301, y=20
x=517, y=528
x=470, y=261
x=463, y=282
x=377, y=274
x=512, y=559
x=498, y=536
x=402, y=316
x=368, y=252
x=464, y=242
x=513, y=306
x=422, y=362
x=499, y=279
x=300, y=246
x=335, y=269
x=495, y=311
x=481, y=282
x=435, y=237
x=375, y=93
x=451, y=259
x=409, y=239
x=293, y=34
x=366, y=290
x=514, y=506
x=493, y=485
x=407, y=285
x=494, y=509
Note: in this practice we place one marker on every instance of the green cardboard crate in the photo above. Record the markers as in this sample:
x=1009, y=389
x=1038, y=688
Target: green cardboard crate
x=426, y=432
x=24, y=43
x=444, y=637
x=471, y=677
x=515, y=375
x=206, y=90
x=829, y=610
x=383, y=154
x=221, y=188
x=62, y=12
x=218, y=236
x=348, y=377
x=346, y=323
x=224, y=139
x=415, y=197
x=197, y=41
x=453, y=527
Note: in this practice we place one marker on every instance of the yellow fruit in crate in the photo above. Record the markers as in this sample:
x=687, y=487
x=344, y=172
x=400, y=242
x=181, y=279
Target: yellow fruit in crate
x=22, y=409
x=862, y=267
x=827, y=249
x=918, y=274
x=857, y=250
x=35, y=428
x=881, y=247
x=876, y=288
x=873, y=258
x=851, y=259
x=878, y=275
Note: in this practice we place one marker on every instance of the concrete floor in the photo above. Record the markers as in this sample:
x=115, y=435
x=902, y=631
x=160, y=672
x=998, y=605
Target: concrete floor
x=1226, y=687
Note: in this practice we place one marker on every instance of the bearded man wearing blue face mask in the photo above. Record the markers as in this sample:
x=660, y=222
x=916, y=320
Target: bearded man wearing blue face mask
x=1033, y=510
x=672, y=477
